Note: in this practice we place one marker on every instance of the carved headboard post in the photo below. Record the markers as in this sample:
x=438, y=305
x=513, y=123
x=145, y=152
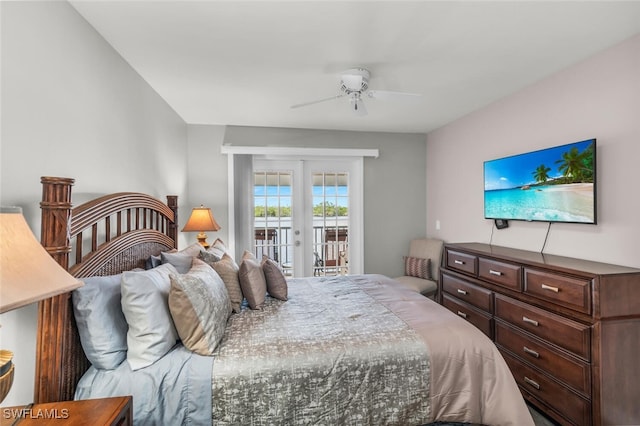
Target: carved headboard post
x=53, y=313
x=172, y=202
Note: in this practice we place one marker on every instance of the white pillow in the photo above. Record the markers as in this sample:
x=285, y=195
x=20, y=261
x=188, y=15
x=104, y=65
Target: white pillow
x=146, y=308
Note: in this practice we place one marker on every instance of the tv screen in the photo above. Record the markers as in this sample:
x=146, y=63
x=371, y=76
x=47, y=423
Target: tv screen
x=551, y=185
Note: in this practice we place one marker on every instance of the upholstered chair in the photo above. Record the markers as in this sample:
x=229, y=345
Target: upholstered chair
x=422, y=266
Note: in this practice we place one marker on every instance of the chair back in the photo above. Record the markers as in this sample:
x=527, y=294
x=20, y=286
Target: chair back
x=428, y=248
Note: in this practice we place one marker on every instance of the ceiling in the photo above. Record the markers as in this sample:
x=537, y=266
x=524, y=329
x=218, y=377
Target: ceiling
x=246, y=63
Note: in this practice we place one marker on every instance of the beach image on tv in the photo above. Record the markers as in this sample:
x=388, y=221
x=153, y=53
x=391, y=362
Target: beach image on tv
x=554, y=184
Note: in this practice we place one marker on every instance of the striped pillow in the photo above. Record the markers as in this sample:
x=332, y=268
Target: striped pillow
x=228, y=271
x=417, y=267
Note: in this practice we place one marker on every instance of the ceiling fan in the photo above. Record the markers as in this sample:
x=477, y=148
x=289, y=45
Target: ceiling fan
x=354, y=85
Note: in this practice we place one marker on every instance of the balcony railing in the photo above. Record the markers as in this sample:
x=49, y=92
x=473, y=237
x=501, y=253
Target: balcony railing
x=330, y=248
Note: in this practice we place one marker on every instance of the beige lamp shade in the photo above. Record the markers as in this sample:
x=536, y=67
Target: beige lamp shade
x=201, y=220
x=28, y=273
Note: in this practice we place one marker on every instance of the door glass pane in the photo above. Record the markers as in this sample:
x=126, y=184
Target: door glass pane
x=330, y=223
x=272, y=210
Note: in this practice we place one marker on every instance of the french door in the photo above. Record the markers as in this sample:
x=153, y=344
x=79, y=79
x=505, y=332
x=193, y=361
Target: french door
x=307, y=214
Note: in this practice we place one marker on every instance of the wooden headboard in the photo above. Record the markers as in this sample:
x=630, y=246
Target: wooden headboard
x=105, y=236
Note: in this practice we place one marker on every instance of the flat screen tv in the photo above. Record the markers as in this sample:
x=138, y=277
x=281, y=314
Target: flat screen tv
x=556, y=184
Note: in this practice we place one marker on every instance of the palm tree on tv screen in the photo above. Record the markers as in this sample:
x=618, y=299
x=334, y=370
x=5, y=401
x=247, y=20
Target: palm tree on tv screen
x=577, y=166
x=541, y=174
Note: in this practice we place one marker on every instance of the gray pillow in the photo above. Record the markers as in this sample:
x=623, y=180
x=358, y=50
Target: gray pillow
x=200, y=307
x=101, y=322
x=192, y=250
x=145, y=306
x=276, y=281
x=152, y=262
x=181, y=261
x=252, y=281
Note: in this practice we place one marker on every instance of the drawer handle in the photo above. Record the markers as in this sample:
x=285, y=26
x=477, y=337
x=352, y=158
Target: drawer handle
x=458, y=262
x=532, y=382
x=548, y=287
x=530, y=321
x=462, y=314
x=531, y=352
x=492, y=272
x=462, y=291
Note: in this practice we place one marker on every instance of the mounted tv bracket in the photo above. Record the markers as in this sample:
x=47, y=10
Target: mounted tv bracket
x=502, y=223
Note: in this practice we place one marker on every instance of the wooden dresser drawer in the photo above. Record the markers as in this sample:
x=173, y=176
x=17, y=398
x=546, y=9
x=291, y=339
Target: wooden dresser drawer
x=477, y=296
x=573, y=293
x=568, y=334
x=575, y=408
x=572, y=371
x=571, y=325
x=462, y=262
x=480, y=319
x=501, y=273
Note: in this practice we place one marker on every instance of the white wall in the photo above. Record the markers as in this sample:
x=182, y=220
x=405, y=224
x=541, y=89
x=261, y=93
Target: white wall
x=207, y=177
x=598, y=98
x=72, y=107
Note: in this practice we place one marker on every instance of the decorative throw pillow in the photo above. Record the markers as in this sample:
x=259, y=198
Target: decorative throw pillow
x=276, y=281
x=145, y=306
x=152, y=262
x=208, y=257
x=101, y=323
x=228, y=271
x=252, y=281
x=218, y=248
x=180, y=260
x=417, y=267
x=200, y=307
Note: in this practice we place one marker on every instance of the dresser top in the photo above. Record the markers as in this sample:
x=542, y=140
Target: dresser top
x=542, y=259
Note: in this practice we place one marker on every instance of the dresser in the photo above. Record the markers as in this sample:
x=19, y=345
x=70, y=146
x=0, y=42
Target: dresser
x=569, y=329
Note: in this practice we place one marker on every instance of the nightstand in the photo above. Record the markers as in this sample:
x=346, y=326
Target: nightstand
x=115, y=411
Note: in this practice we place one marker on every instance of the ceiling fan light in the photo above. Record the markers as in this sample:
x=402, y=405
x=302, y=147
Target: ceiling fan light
x=352, y=82
x=357, y=105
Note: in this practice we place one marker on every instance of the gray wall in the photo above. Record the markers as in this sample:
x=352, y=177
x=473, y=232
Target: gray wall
x=598, y=98
x=72, y=107
x=394, y=184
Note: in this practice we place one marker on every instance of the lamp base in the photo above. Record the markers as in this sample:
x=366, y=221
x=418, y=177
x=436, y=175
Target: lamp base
x=6, y=373
x=202, y=239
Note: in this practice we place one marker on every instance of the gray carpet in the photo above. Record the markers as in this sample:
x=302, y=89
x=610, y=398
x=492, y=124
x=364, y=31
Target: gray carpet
x=538, y=418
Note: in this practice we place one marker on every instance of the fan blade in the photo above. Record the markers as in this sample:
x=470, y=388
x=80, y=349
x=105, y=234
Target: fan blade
x=386, y=94
x=318, y=101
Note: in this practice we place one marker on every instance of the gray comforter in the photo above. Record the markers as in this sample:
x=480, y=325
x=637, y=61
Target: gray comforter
x=331, y=355
x=360, y=350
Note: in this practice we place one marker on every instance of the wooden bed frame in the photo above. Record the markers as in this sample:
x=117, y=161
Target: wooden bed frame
x=105, y=236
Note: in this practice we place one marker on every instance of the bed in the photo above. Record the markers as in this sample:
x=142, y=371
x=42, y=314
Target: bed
x=334, y=350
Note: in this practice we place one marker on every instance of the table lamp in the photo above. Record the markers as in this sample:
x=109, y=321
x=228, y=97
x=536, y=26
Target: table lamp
x=28, y=274
x=201, y=220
